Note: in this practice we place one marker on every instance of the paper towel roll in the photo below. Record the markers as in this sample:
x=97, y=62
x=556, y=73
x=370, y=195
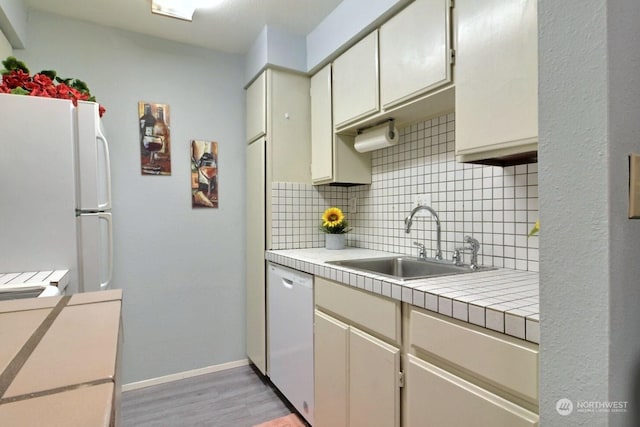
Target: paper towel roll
x=376, y=139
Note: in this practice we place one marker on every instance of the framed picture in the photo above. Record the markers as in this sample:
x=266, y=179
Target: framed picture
x=155, y=139
x=204, y=174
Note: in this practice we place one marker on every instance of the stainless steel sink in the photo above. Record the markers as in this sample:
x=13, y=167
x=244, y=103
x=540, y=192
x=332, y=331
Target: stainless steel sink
x=405, y=268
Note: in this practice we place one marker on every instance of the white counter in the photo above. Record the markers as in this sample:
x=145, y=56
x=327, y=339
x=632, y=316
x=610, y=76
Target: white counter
x=502, y=300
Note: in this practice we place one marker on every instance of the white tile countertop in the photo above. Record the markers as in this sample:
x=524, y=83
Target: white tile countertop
x=502, y=300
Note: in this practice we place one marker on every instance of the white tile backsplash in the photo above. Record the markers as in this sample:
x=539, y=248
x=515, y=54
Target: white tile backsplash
x=497, y=206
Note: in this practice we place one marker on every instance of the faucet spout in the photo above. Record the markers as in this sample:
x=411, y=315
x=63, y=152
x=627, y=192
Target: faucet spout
x=408, y=221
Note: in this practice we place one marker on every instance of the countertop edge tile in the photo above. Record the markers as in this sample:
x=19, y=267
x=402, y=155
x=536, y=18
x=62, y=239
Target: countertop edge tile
x=437, y=294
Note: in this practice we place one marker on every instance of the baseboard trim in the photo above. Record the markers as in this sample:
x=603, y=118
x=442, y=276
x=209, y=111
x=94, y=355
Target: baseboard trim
x=182, y=375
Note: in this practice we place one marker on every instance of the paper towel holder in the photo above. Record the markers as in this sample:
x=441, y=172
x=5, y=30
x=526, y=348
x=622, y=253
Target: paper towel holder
x=377, y=138
x=392, y=127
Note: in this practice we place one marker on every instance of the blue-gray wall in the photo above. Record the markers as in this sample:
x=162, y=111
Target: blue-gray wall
x=589, y=102
x=13, y=22
x=182, y=270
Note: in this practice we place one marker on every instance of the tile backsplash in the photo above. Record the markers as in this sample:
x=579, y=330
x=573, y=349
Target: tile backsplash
x=497, y=206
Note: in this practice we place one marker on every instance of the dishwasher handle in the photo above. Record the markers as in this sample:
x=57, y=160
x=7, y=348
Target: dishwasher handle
x=290, y=278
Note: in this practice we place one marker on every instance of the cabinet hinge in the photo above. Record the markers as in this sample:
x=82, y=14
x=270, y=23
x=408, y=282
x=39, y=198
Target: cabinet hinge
x=452, y=56
x=401, y=379
x=451, y=4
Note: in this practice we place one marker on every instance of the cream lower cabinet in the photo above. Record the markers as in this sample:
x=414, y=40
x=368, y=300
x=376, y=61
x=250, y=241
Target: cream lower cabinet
x=357, y=374
x=452, y=401
x=255, y=273
x=458, y=375
x=331, y=370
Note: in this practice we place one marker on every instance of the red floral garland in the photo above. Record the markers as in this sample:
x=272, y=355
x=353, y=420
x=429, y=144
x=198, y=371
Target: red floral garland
x=19, y=82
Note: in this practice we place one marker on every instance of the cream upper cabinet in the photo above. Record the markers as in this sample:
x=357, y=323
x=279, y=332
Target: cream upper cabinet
x=415, y=51
x=333, y=158
x=356, y=91
x=401, y=71
x=256, y=97
x=356, y=357
x=496, y=80
x=321, y=126
x=288, y=127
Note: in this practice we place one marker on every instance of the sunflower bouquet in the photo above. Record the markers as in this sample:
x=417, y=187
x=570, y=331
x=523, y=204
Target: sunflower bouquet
x=334, y=222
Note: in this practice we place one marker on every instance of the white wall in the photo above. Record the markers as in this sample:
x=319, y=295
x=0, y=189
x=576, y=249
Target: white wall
x=13, y=22
x=258, y=55
x=5, y=47
x=287, y=49
x=574, y=210
x=275, y=46
x=589, y=270
x=181, y=270
x=624, y=241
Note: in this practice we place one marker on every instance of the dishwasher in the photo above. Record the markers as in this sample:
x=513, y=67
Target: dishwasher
x=290, y=326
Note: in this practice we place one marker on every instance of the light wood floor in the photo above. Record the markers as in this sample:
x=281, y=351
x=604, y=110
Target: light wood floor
x=237, y=397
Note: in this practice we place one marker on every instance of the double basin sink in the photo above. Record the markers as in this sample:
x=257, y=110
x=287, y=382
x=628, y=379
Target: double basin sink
x=406, y=268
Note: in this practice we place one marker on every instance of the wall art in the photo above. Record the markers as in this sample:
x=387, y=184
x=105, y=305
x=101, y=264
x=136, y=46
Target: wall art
x=155, y=138
x=204, y=174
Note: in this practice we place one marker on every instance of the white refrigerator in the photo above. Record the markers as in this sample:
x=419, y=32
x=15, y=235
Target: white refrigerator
x=55, y=190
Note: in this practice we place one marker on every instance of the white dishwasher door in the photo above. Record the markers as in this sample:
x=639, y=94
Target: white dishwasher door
x=290, y=320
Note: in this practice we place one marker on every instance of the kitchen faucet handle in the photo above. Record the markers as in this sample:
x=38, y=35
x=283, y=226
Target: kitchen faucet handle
x=473, y=242
x=457, y=256
x=423, y=250
x=475, y=247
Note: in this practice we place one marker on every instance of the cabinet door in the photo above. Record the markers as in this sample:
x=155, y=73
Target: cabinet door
x=255, y=264
x=257, y=108
x=321, y=126
x=374, y=389
x=355, y=82
x=436, y=397
x=415, y=51
x=331, y=340
x=289, y=129
x=496, y=78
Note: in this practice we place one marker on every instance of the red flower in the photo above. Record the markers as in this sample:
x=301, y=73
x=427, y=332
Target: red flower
x=18, y=81
x=15, y=78
x=37, y=91
x=42, y=80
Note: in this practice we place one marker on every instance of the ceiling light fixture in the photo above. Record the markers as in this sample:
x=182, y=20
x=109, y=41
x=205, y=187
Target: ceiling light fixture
x=180, y=9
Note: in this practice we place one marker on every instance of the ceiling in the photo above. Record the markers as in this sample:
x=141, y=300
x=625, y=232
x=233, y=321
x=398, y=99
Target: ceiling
x=230, y=27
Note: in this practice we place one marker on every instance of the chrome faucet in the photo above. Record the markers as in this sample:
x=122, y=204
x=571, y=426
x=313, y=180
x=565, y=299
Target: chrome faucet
x=474, y=247
x=408, y=221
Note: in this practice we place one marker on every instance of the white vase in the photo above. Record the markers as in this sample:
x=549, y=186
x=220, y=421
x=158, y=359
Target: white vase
x=335, y=241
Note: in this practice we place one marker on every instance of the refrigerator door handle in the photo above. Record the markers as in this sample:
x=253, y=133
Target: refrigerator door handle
x=107, y=160
x=106, y=216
